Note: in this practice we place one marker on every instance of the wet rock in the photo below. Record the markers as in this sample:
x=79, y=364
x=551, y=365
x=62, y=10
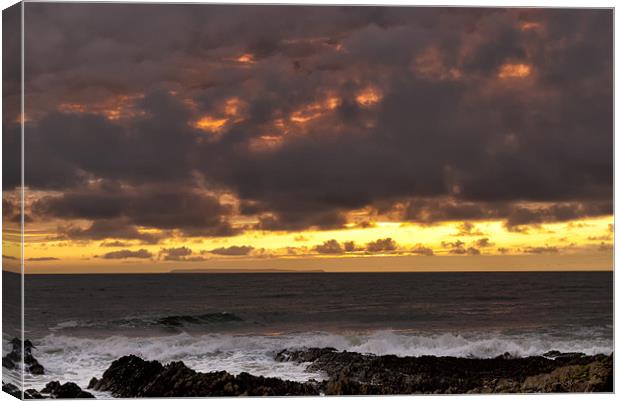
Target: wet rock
x=54, y=389
x=354, y=373
x=92, y=383
x=32, y=394
x=130, y=376
x=12, y=390
x=8, y=363
x=505, y=355
x=565, y=356
x=14, y=358
x=302, y=355
x=593, y=377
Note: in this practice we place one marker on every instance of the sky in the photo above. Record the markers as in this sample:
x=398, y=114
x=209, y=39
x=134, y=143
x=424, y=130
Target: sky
x=179, y=137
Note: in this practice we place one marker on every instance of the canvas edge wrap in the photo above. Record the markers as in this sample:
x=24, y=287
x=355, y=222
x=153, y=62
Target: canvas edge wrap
x=12, y=192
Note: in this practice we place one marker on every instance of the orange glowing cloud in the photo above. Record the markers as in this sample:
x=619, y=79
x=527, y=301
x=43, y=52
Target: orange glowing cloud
x=228, y=113
x=114, y=108
x=529, y=26
x=245, y=59
x=368, y=97
x=266, y=142
x=519, y=70
x=210, y=124
x=232, y=106
x=315, y=110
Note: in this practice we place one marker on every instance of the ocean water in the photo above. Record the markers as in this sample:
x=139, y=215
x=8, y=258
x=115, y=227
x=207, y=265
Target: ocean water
x=237, y=322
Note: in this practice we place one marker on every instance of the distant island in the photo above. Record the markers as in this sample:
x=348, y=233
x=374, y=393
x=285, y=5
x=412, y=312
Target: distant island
x=219, y=271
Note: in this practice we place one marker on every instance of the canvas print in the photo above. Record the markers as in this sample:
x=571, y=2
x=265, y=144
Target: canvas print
x=266, y=200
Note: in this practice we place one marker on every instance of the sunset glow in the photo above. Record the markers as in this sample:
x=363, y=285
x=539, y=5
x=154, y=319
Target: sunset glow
x=515, y=71
x=417, y=142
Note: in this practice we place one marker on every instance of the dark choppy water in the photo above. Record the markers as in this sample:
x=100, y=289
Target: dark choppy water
x=237, y=321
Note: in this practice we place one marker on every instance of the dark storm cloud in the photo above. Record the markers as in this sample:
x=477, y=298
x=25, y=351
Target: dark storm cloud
x=103, y=229
x=66, y=149
x=516, y=216
x=448, y=138
x=127, y=254
x=115, y=208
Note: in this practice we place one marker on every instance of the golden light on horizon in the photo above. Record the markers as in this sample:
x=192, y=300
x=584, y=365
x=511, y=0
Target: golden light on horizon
x=566, y=240
x=519, y=70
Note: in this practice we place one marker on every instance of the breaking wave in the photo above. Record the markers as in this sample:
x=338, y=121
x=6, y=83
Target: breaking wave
x=169, y=321
x=78, y=359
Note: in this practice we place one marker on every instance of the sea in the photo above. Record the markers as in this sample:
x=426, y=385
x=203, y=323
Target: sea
x=238, y=322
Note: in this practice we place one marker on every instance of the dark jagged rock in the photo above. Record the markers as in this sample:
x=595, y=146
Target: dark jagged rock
x=130, y=376
x=54, y=389
x=8, y=363
x=566, y=356
x=92, y=383
x=354, y=373
x=14, y=358
x=12, y=390
x=303, y=355
x=32, y=394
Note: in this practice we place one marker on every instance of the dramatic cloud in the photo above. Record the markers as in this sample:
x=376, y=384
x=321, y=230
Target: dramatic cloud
x=468, y=228
x=175, y=253
x=330, y=247
x=458, y=247
x=516, y=215
x=102, y=229
x=118, y=211
x=382, y=245
x=422, y=250
x=438, y=114
x=113, y=244
x=484, y=243
x=233, y=250
x=127, y=254
x=180, y=254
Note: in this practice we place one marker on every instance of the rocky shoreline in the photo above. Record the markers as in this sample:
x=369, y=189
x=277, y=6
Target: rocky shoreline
x=351, y=373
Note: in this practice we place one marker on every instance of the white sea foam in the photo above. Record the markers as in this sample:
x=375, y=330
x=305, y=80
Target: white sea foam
x=78, y=359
